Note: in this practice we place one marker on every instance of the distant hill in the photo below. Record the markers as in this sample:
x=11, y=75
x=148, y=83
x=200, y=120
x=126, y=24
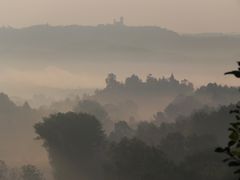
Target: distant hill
x=104, y=42
x=88, y=53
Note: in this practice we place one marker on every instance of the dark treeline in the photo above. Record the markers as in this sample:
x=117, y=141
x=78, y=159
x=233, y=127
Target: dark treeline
x=139, y=99
x=26, y=172
x=106, y=135
x=205, y=122
x=79, y=149
x=134, y=86
x=144, y=98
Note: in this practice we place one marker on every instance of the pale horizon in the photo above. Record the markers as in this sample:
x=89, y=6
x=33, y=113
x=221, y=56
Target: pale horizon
x=187, y=16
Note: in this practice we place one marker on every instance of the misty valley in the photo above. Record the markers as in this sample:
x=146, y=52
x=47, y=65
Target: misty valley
x=136, y=129
x=119, y=102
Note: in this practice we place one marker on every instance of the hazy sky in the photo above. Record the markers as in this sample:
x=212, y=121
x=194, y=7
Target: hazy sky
x=178, y=15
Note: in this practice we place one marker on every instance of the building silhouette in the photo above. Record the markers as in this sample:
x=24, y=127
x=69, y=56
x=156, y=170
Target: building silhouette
x=119, y=23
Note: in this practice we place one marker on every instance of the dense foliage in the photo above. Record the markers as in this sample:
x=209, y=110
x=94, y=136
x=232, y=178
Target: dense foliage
x=26, y=172
x=78, y=149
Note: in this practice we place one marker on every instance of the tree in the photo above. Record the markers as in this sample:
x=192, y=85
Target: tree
x=121, y=130
x=3, y=170
x=159, y=118
x=74, y=143
x=96, y=109
x=149, y=133
x=132, y=159
x=174, y=146
x=92, y=107
x=111, y=81
x=133, y=82
x=205, y=165
x=30, y=172
x=232, y=149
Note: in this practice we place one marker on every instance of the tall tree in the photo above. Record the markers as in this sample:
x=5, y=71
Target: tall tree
x=232, y=149
x=74, y=143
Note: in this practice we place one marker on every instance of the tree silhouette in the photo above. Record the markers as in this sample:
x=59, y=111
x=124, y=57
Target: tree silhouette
x=236, y=73
x=232, y=150
x=96, y=109
x=3, y=170
x=30, y=172
x=132, y=159
x=121, y=130
x=74, y=143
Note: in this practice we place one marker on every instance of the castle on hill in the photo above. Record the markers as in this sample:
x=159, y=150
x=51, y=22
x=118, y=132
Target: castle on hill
x=119, y=23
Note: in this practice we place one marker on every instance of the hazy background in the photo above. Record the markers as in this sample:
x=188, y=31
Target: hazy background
x=27, y=65
x=185, y=16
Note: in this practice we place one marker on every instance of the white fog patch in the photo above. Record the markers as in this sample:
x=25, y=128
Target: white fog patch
x=52, y=77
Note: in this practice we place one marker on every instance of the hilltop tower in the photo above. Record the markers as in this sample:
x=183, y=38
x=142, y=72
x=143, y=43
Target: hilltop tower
x=119, y=23
x=122, y=21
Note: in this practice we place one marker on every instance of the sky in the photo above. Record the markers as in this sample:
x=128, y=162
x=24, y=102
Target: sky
x=184, y=16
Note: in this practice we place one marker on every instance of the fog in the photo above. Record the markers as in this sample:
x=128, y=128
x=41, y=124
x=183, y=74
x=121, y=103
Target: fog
x=54, y=59
x=74, y=136
x=126, y=90
x=25, y=83
x=185, y=16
